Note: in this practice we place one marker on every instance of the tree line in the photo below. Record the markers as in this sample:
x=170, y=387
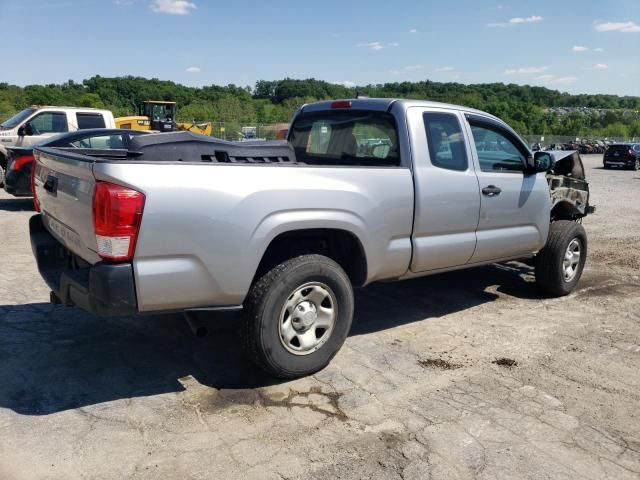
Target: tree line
x=525, y=108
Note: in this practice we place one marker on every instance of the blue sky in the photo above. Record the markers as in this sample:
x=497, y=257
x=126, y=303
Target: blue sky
x=570, y=45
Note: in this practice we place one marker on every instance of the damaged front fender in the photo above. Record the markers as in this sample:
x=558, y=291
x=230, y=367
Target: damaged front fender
x=568, y=186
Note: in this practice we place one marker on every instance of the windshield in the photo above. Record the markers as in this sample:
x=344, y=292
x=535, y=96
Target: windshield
x=17, y=118
x=345, y=137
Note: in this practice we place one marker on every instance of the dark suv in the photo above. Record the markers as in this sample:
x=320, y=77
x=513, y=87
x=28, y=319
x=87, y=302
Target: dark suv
x=623, y=155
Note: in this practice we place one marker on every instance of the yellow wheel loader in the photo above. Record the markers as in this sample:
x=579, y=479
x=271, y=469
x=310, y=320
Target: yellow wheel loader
x=160, y=115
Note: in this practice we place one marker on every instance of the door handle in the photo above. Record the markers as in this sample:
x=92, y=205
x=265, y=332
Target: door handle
x=491, y=191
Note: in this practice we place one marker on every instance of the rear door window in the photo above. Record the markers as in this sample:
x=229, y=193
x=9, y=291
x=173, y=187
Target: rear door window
x=90, y=120
x=445, y=140
x=346, y=138
x=49, y=122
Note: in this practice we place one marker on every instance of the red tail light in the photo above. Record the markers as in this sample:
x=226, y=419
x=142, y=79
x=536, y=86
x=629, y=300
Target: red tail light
x=341, y=104
x=117, y=213
x=21, y=161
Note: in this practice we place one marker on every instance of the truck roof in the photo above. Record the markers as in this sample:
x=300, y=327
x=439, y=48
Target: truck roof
x=383, y=104
x=69, y=108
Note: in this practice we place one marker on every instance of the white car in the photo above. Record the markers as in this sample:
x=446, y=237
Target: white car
x=36, y=123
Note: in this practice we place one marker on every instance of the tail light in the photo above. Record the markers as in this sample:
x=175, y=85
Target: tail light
x=21, y=161
x=631, y=152
x=117, y=213
x=341, y=104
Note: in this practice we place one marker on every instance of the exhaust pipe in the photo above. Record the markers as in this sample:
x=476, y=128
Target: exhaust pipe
x=198, y=329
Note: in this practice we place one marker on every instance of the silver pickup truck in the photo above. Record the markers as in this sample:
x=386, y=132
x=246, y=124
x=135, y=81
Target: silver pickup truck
x=364, y=190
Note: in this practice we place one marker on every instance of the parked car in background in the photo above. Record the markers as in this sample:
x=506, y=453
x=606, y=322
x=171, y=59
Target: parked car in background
x=286, y=230
x=623, y=155
x=35, y=123
x=95, y=141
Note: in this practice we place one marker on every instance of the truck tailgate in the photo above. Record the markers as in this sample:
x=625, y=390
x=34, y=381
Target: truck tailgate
x=64, y=186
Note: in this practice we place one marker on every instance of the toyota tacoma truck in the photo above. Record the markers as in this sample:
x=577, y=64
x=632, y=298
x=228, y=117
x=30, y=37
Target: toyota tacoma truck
x=364, y=190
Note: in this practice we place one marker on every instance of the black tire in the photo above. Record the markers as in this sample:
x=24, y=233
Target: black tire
x=549, y=261
x=636, y=165
x=1, y=176
x=264, y=308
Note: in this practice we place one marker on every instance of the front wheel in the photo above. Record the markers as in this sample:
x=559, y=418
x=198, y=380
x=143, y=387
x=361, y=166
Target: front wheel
x=298, y=315
x=636, y=165
x=1, y=176
x=560, y=263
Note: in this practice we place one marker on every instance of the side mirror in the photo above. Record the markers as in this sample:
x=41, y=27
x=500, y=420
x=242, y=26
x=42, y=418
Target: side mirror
x=542, y=162
x=25, y=130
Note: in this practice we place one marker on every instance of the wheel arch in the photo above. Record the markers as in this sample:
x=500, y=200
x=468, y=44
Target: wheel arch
x=338, y=243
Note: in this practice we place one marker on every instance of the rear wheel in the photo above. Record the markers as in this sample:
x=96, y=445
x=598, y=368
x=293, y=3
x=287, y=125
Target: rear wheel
x=560, y=263
x=298, y=316
x=1, y=176
x=636, y=165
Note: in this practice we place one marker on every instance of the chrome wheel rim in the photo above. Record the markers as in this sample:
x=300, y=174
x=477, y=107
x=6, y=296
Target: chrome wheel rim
x=571, y=260
x=308, y=318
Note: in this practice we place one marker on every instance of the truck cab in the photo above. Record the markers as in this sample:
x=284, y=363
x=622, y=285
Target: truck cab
x=35, y=123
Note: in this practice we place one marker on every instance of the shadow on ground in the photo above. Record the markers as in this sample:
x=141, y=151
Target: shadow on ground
x=54, y=358
x=16, y=204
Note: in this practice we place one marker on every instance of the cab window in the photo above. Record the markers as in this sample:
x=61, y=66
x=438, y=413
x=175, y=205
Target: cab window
x=445, y=140
x=102, y=142
x=90, y=120
x=49, y=122
x=496, y=152
x=345, y=138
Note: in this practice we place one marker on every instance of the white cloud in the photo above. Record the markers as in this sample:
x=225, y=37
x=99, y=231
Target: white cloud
x=598, y=49
x=173, y=7
x=445, y=69
x=516, y=21
x=525, y=70
x=553, y=80
x=413, y=30
x=577, y=48
x=531, y=19
x=394, y=44
x=626, y=27
x=600, y=66
x=193, y=70
x=371, y=45
x=345, y=83
x=395, y=72
x=413, y=67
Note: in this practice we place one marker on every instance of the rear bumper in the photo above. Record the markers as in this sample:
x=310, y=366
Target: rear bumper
x=103, y=289
x=620, y=161
x=18, y=183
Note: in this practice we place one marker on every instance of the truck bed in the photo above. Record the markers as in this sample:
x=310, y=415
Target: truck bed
x=212, y=208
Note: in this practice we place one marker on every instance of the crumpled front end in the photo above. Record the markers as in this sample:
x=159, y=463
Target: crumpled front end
x=568, y=186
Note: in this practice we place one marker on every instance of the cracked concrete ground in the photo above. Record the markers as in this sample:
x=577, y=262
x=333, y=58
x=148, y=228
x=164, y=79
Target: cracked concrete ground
x=415, y=393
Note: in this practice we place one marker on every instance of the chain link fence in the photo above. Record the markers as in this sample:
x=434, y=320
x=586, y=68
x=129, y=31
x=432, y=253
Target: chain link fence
x=236, y=130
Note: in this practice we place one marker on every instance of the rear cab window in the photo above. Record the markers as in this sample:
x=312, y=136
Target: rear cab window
x=346, y=138
x=90, y=120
